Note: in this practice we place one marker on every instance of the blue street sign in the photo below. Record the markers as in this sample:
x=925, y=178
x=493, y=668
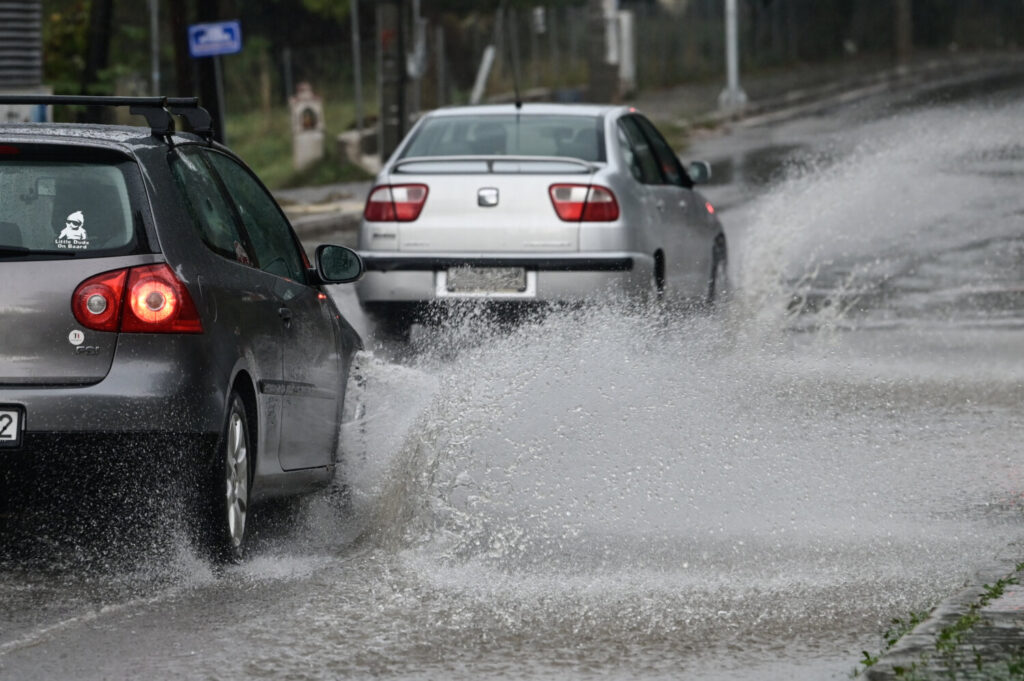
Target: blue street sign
x=208, y=40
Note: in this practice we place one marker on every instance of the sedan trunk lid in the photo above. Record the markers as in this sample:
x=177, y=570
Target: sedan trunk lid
x=487, y=205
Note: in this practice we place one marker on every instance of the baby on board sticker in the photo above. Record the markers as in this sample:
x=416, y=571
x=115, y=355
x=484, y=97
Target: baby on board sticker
x=73, y=235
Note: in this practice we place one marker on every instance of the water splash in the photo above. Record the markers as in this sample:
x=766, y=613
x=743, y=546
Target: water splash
x=771, y=475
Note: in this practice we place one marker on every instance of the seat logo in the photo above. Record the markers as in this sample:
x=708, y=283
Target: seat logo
x=487, y=197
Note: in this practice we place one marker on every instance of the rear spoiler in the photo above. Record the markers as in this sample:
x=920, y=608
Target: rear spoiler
x=494, y=164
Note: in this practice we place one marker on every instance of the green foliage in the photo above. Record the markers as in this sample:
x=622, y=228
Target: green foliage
x=897, y=629
x=265, y=143
x=334, y=9
x=65, y=27
x=869, y=659
x=901, y=627
x=949, y=639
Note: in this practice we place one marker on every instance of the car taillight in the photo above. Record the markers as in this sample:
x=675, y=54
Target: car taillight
x=147, y=299
x=395, y=202
x=96, y=303
x=582, y=203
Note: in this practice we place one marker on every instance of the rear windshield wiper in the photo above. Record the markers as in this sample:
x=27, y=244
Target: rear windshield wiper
x=14, y=251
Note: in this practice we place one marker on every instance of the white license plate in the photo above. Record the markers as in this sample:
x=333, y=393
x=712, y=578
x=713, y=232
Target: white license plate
x=486, y=280
x=12, y=422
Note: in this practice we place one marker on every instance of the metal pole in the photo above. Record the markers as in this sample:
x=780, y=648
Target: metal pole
x=392, y=74
x=219, y=77
x=357, y=66
x=733, y=98
x=442, y=85
x=154, y=46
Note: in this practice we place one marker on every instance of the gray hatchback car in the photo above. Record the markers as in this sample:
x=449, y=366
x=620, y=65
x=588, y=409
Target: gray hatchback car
x=153, y=297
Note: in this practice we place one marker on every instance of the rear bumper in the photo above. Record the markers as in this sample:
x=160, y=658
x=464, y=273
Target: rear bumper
x=156, y=384
x=414, y=277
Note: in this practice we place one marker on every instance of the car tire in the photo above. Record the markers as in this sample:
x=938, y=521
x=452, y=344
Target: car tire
x=224, y=510
x=392, y=321
x=719, y=278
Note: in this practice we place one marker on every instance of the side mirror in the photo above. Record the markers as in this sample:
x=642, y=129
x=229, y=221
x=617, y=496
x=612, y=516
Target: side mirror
x=338, y=264
x=700, y=172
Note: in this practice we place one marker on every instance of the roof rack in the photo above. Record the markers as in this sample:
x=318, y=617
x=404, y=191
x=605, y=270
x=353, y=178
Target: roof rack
x=156, y=110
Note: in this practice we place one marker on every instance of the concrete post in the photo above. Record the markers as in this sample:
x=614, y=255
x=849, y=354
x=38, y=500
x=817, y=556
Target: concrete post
x=733, y=98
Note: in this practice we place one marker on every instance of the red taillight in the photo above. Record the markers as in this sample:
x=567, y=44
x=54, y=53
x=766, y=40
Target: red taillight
x=8, y=150
x=709, y=207
x=96, y=303
x=396, y=202
x=582, y=203
x=147, y=299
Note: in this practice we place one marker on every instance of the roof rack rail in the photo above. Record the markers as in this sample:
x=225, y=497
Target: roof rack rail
x=156, y=110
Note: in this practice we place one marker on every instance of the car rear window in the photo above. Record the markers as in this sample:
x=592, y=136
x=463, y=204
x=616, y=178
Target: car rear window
x=568, y=136
x=52, y=208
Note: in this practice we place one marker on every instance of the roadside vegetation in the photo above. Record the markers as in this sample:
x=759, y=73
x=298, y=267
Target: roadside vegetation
x=950, y=660
x=107, y=47
x=264, y=141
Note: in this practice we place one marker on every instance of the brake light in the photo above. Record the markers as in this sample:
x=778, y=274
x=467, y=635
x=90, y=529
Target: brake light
x=96, y=303
x=147, y=299
x=582, y=203
x=709, y=207
x=396, y=202
x=8, y=150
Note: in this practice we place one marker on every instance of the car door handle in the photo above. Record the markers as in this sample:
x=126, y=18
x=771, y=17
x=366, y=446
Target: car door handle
x=285, y=314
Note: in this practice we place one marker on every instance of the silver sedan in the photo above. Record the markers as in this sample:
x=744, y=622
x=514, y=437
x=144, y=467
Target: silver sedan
x=535, y=203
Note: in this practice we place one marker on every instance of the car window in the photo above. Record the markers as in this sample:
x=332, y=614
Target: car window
x=53, y=208
x=568, y=136
x=269, y=231
x=632, y=162
x=212, y=215
x=671, y=168
x=643, y=156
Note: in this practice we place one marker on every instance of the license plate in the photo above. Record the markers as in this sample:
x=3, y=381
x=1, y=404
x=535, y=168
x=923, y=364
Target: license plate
x=486, y=280
x=12, y=422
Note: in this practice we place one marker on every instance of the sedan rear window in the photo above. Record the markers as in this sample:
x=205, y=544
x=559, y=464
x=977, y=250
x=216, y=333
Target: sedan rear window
x=58, y=209
x=565, y=136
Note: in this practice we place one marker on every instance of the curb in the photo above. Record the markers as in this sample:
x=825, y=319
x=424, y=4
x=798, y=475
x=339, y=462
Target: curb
x=994, y=638
x=842, y=90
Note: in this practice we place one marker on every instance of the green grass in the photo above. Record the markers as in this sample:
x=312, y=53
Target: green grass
x=265, y=143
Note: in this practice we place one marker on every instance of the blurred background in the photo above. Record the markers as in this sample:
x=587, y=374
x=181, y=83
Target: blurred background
x=355, y=59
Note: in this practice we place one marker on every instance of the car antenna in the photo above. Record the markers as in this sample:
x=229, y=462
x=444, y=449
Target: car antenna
x=513, y=55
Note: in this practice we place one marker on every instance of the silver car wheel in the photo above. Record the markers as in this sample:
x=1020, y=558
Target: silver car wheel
x=237, y=476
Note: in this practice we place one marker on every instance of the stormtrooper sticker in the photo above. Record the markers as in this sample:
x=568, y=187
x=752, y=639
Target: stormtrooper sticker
x=73, y=235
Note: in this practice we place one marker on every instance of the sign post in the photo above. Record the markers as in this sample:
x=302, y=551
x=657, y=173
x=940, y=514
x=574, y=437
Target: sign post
x=213, y=40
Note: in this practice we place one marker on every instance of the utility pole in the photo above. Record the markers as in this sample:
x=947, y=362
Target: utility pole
x=732, y=98
x=154, y=46
x=357, y=71
x=211, y=93
x=392, y=74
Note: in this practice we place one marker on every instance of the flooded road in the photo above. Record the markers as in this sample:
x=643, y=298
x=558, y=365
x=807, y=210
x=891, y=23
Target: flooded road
x=752, y=493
